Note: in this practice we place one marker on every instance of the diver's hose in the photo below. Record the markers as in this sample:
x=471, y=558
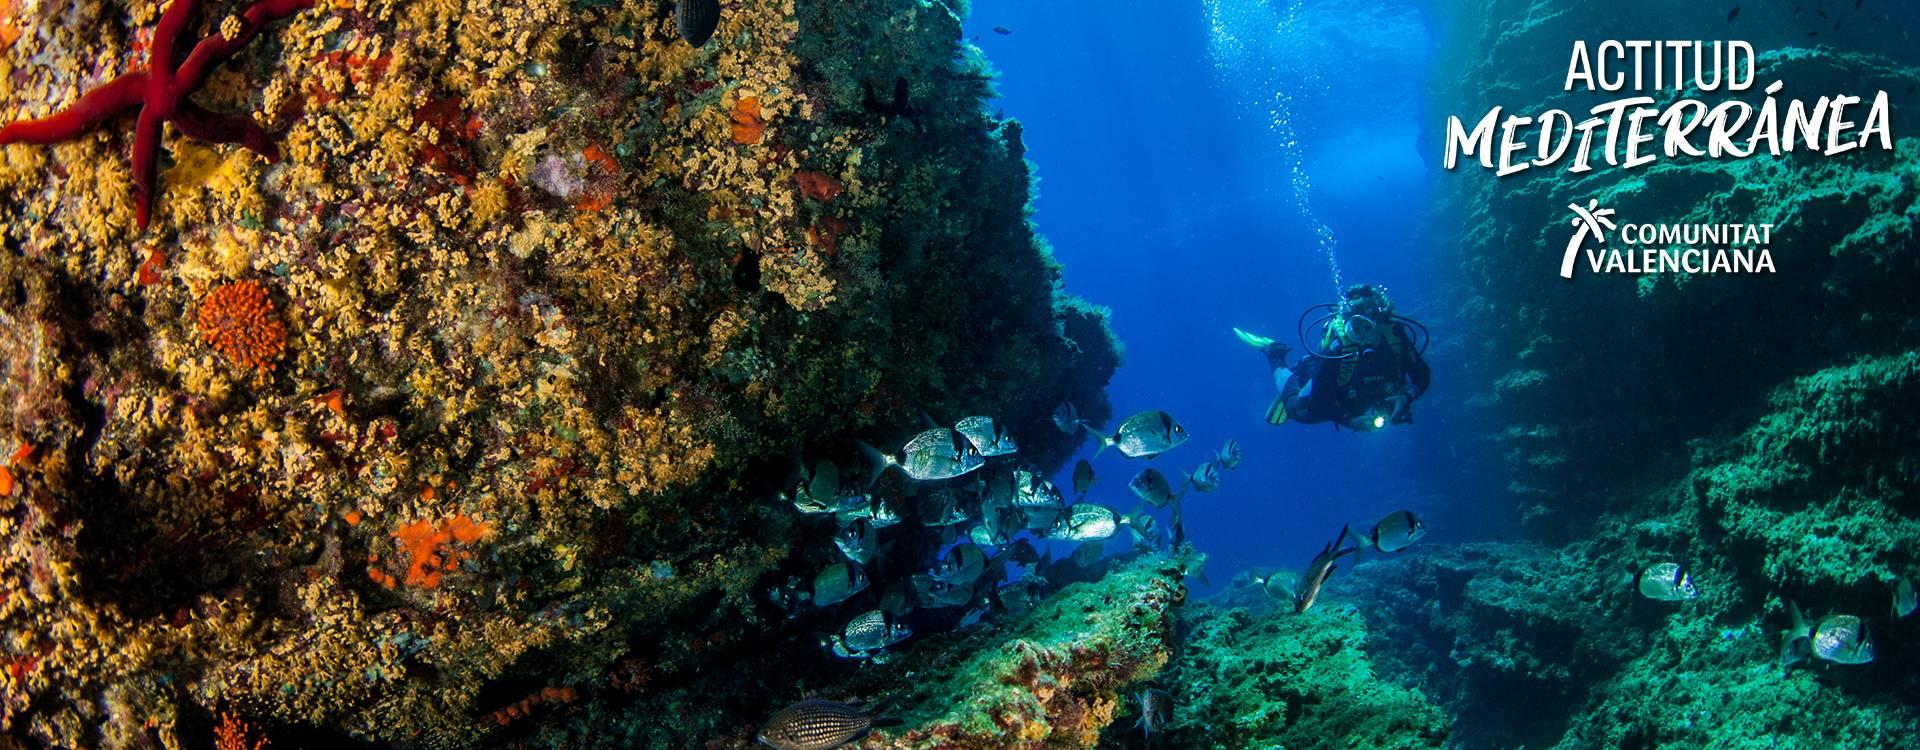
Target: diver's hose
x=1302, y=327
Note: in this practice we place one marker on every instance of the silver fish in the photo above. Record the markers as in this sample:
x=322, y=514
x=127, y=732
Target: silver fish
x=872, y=631
x=1067, y=418
x=1318, y=571
x=815, y=724
x=1398, y=531
x=1229, y=455
x=1143, y=435
x=1281, y=585
x=1042, y=519
x=1205, y=477
x=696, y=20
x=1904, y=601
x=1667, y=582
x=932, y=455
x=1842, y=639
x=1082, y=477
x=962, y=566
x=1156, y=712
x=838, y=583
x=1152, y=486
x=1086, y=522
x=973, y=616
x=986, y=436
x=997, y=487
x=1032, y=489
x=1144, y=529
x=857, y=541
x=934, y=593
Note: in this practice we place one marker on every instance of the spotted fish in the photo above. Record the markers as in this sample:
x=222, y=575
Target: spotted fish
x=816, y=724
x=696, y=20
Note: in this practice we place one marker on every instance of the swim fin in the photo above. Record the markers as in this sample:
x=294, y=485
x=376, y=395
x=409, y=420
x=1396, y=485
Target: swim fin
x=1254, y=340
x=1277, y=413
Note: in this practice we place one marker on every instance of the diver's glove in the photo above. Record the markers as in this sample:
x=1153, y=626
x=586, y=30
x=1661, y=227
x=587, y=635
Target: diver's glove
x=1402, y=410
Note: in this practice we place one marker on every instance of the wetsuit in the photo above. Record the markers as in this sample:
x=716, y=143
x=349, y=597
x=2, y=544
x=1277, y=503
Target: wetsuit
x=1324, y=389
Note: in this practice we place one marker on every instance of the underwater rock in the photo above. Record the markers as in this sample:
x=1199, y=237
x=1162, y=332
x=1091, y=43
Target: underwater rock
x=1053, y=677
x=538, y=322
x=1263, y=676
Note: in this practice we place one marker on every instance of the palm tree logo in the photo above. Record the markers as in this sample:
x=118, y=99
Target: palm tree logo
x=1592, y=220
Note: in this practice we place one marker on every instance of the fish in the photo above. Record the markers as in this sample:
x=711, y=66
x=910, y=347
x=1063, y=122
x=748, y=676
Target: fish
x=1002, y=30
x=986, y=436
x=1281, y=585
x=1082, y=477
x=1152, y=487
x=1041, y=519
x=943, y=508
x=1229, y=455
x=1733, y=14
x=1398, y=531
x=1842, y=639
x=1667, y=582
x=1032, y=489
x=874, y=630
x=1087, y=555
x=1086, y=522
x=882, y=514
x=1144, y=529
x=1014, y=598
x=934, y=593
x=1156, y=711
x=837, y=583
x=962, y=566
x=932, y=455
x=815, y=724
x=696, y=20
x=1319, y=571
x=857, y=541
x=1144, y=435
x=1205, y=477
x=1067, y=418
x=1904, y=601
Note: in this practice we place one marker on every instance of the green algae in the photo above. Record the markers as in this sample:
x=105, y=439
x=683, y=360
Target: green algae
x=1266, y=677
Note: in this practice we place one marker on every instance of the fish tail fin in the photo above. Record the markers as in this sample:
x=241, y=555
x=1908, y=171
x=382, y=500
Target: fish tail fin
x=1104, y=440
x=879, y=461
x=926, y=420
x=1800, y=626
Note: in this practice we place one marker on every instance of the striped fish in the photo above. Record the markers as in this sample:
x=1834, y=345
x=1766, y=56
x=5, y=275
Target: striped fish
x=696, y=20
x=815, y=724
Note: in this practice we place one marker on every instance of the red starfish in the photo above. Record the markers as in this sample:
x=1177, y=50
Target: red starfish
x=160, y=93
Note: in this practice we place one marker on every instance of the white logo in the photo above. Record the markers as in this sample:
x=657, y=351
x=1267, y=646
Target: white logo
x=1590, y=220
x=1664, y=248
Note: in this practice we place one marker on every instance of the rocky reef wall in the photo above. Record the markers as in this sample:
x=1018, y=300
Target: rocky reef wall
x=468, y=412
x=1742, y=425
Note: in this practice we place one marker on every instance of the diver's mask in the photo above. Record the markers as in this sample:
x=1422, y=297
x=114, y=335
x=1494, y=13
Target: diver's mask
x=1358, y=331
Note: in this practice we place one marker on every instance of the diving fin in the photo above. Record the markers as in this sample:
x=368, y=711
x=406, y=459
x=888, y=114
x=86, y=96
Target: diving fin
x=1254, y=340
x=1277, y=412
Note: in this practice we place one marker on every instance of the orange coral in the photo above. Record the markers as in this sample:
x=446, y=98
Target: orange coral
x=9, y=29
x=239, y=321
x=429, y=549
x=525, y=706
x=232, y=734
x=748, y=124
x=150, y=268
x=818, y=186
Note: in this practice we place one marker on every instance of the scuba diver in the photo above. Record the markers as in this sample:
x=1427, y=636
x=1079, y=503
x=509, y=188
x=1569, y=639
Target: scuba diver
x=1365, y=374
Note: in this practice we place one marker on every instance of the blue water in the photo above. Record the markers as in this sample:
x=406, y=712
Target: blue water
x=1163, y=189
